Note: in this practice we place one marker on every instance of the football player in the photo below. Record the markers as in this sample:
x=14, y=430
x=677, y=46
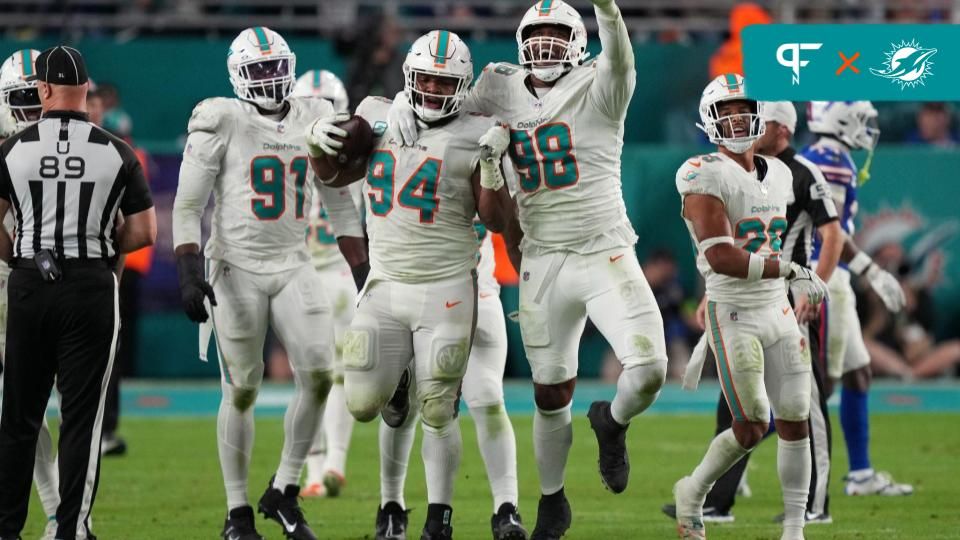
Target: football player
x=734, y=204
x=420, y=298
x=327, y=460
x=483, y=393
x=249, y=152
x=843, y=126
x=21, y=108
x=566, y=119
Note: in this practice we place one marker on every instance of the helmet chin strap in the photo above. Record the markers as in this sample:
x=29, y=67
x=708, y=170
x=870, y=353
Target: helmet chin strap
x=738, y=147
x=549, y=74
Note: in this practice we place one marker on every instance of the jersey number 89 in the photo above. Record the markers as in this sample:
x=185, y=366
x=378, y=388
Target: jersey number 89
x=545, y=155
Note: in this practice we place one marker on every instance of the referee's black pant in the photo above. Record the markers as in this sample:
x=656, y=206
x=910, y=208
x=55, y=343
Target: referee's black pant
x=724, y=492
x=64, y=331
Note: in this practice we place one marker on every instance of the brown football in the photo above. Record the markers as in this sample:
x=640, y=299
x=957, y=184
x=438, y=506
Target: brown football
x=356, y=145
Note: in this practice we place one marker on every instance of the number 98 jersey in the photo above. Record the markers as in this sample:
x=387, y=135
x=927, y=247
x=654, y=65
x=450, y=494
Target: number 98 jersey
x=756, y=205
x=260, y=179
x=419, y=200
x=565, y=146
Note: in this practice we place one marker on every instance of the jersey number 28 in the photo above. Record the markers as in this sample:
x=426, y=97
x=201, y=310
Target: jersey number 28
x=544, y=155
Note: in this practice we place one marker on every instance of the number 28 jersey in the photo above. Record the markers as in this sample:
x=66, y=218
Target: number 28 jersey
x=419, y=200
x=565, y=147
x=757, y=210
x=261, y=180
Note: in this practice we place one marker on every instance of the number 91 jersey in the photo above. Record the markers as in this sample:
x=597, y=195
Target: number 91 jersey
x=757, y=210
x=419, y=200
x=565, y=147
x=262, y=185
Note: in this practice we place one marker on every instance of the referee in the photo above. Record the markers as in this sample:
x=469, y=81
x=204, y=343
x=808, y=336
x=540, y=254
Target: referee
x=66, y=181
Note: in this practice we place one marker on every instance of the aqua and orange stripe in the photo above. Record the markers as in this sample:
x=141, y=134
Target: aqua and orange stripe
x=723, y=365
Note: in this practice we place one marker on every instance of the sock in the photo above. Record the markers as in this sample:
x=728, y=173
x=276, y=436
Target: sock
x=338, y=424
x=317, y=456
x=793, y=467
x=855, y=421
x=723, y=452
x=498, y=446
x=637, y=389
x=300, y=424
x=235, y=441
x=441, y=450
x=552, y=438
x=45, y=472
x=395, y=446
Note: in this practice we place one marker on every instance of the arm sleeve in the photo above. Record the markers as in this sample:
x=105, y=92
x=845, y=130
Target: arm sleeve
x=198, y=172
x=616, y=72
x=136, y=194
x=342, y=211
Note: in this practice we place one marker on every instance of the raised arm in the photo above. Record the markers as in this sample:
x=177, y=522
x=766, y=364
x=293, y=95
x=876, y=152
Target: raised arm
x=617, y=75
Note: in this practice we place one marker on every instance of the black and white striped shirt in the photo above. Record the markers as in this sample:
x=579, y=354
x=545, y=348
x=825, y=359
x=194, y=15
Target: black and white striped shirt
x=65, y=179
x=811, y=207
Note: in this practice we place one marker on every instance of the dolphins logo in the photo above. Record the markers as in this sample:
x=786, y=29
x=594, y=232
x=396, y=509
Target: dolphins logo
x=907, y=64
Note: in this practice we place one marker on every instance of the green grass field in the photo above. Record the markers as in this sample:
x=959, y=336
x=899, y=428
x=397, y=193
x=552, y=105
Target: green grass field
x=169, y=484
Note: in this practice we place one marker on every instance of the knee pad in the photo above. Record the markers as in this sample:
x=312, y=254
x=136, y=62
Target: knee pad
x=438, y=412
x=241, y=397
x=359, y=345
x=363, y=408
x=645, y=378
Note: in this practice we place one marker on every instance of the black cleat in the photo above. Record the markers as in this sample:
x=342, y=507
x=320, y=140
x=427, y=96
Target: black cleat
x=710, y=514
x=239, y=525
x=438, y=525
x=113, y=446
x=391, y=522
x=553, y=517
x=507, y=524
x=612, y=440
x=395, y=413
x=284, y=508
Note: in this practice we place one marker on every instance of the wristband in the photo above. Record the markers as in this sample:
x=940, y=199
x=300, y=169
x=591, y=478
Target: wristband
x=859, y=263
x=490, y=177
x=755, y=268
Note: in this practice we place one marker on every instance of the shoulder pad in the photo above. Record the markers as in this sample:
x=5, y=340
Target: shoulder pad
x=374, y=109
x=314, y=105
x=209, y=114
x=700, y=174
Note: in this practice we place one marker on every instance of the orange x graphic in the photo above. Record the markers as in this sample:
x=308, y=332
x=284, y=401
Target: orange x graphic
x=848, y=63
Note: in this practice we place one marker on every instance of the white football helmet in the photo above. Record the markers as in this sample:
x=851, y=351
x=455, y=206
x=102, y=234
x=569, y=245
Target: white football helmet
x=18, y=94
x=261, y=67
x=440, y=53
x=323, y=84
x=720, y=130
x=854, y=123
x=549, y=57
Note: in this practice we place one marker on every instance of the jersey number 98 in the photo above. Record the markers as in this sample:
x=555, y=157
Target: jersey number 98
x=545, y=155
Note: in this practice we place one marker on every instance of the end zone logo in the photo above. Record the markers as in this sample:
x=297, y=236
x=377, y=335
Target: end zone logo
x=794, y=62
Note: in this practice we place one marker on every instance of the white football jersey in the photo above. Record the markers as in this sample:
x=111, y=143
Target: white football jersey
x=321, y=240
x=486, y=262
x=263, y=187
x=565, y=147
x=419, y=200
x=757, y=210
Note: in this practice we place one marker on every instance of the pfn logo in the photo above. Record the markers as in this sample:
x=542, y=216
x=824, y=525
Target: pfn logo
x=794, y=62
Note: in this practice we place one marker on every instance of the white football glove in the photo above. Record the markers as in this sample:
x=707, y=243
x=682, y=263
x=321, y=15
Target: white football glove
x=805, y=282
x=8, y=124
x=320, y=134
x=492, y=145
x=401, y=120
x=887, y=287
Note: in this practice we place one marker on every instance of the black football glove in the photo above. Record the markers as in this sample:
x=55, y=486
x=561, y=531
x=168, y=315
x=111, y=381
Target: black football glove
x=360, y=274
x=193, y=288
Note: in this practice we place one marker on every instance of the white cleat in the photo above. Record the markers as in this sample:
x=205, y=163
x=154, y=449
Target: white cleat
x=689, y=512
x=878, y=483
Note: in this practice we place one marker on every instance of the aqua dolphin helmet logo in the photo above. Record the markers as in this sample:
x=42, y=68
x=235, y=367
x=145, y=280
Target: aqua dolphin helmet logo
x=907, y=64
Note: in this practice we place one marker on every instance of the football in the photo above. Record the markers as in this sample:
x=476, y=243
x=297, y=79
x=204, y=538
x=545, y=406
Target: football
x=356, y=145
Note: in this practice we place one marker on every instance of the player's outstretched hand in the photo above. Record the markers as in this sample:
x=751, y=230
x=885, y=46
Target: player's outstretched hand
x=401, y=121
x=320, y=135
x=806, y=282
x=887, y=288
x=494, y=142
x=193, y=288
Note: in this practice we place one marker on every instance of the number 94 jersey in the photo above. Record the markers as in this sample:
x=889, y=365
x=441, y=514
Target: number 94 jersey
x=756, y=205
x=419, y=200
x=260, y=179
x=565, y=147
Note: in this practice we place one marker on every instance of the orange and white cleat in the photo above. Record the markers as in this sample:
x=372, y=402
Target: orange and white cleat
x=313, y=490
